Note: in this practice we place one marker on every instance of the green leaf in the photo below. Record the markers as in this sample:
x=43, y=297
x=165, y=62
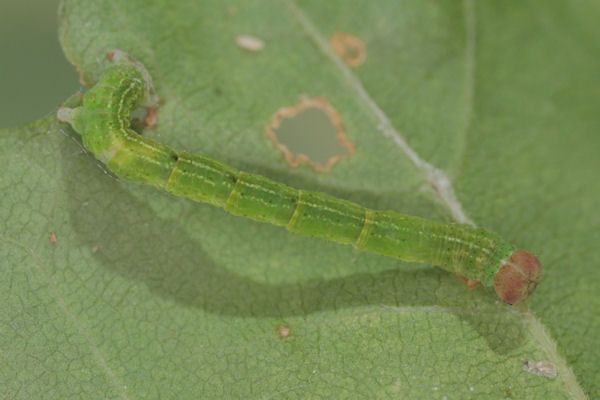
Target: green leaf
x=144, y=295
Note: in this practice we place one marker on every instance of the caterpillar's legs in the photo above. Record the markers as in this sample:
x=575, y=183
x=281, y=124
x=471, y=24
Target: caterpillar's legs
x=138, y=126
x=150, y=119
x=471, y=284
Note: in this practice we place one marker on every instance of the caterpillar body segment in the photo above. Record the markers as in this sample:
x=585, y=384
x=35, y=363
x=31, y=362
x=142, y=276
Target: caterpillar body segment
x=104, y=122
x=469, y=251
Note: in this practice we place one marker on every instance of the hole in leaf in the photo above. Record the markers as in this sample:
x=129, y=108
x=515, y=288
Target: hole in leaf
x=311, y=133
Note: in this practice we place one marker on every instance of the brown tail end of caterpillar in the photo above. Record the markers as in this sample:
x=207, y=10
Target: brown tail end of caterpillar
x=518, y=277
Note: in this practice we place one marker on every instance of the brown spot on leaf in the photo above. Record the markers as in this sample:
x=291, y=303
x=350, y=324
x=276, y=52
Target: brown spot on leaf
x=52, y=237
x=284, y=331
x=349, y=48
x=310, y=133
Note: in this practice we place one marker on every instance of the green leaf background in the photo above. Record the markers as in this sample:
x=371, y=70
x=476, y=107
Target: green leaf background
x=145, y=295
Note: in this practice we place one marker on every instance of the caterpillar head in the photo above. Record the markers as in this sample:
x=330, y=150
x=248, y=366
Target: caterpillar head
x=518, y=277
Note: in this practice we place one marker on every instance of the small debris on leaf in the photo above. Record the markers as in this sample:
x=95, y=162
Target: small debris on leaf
x=541, y=368
x=249, y=43
x=284, y=331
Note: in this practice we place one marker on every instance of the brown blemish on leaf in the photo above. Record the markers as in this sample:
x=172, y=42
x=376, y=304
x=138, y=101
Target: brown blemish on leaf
x=284, y=331
x=296, y=158
x=349, y=48
x=250, y=43
x=541, y=368
x=52, y=237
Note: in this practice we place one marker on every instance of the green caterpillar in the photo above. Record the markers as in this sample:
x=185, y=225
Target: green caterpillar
x=103, y=121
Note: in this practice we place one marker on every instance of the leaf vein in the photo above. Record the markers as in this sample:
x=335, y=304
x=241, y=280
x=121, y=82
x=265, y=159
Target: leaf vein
x=435, y=177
